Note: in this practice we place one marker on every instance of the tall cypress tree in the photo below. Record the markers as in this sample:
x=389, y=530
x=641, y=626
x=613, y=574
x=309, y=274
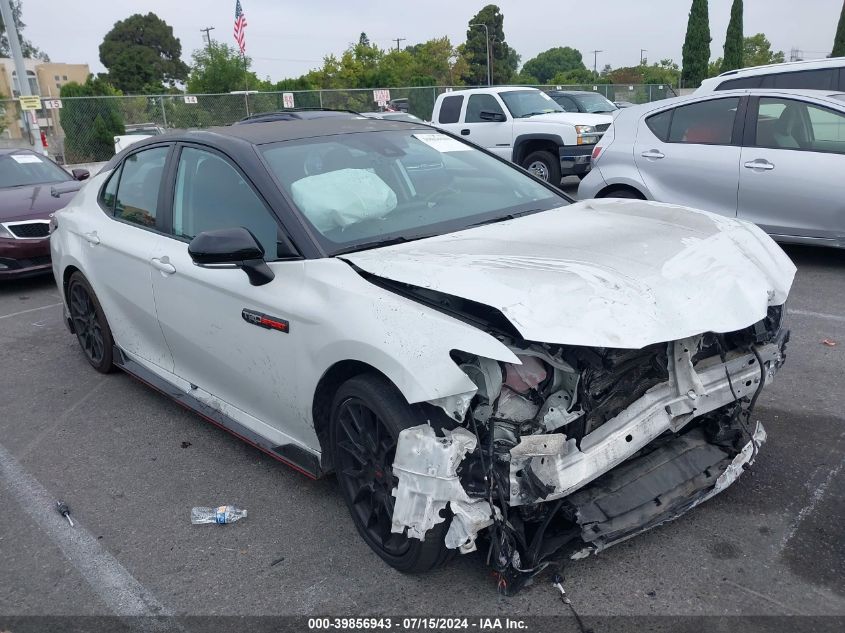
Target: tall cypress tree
x=839, y=41
x=733, y=39
x=696, y=52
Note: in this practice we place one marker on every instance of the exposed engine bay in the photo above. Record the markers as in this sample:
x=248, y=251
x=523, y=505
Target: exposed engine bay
x=580, y=448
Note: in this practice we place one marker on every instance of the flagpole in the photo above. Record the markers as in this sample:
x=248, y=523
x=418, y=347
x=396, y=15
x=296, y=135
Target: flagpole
x=246, y=83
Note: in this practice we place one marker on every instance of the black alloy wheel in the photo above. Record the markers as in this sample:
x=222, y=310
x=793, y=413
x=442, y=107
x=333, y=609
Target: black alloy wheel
x=89, y=324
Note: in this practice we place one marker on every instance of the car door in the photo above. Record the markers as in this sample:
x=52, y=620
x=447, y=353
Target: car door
x=119, y=254
x=690, y=154
x=236, y=366
x=792, y=162
x=495, y=136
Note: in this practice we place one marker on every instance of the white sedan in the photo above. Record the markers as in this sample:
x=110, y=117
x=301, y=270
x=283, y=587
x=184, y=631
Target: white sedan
x=481, y=361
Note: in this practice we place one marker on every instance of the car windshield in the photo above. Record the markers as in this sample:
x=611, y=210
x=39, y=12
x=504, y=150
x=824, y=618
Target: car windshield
x=595, y=103
x=525, y=103
x=23, y=168
x=365, y=190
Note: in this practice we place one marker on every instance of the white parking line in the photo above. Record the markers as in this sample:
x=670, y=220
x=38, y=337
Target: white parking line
x=115, y=586
x=14, y=314
x=818, y=315
x=815, y=497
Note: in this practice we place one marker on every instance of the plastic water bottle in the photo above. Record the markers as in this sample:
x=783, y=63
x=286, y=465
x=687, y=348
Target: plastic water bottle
x=220, y=514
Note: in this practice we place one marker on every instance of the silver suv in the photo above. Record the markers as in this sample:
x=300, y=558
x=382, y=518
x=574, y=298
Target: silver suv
x=773, y=157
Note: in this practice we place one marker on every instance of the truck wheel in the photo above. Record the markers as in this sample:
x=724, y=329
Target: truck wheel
x=544, y=165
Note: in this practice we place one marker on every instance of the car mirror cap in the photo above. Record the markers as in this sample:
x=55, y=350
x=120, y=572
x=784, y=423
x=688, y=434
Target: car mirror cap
x=80, y=174
x=225, y=246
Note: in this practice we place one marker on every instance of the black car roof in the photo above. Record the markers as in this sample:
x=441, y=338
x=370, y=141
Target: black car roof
x=573, y=92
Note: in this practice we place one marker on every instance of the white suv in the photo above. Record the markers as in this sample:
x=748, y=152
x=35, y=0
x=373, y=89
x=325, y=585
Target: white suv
x=815, y=74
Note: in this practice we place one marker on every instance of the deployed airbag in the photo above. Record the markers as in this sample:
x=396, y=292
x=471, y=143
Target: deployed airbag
x=336, y=199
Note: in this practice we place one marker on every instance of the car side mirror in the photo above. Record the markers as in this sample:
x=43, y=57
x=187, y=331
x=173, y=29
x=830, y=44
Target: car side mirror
x=231, y=248
x=80, y=174
x=487, y=115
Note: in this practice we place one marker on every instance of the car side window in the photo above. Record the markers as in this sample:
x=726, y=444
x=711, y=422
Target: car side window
x=819, y=79
x=450, y=109
x=480, y=102
x=211, y=194
x=742, y=82
x=705, y=123
x=790, y=124
x=109, y=192
x=136, y=200
x=659, y=124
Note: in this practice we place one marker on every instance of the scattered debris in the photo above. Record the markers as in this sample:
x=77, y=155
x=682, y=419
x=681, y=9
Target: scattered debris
x=186, y=444
x=220, y=514
x=277, y=561
x=829, y=342
x=64, y=510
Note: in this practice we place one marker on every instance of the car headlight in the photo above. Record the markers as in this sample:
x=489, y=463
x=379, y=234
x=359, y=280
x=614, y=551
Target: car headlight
x=587, y=134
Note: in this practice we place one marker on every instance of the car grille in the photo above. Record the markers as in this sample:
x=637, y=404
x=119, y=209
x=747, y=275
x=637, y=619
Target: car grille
x=603, y=127
x=29, y=230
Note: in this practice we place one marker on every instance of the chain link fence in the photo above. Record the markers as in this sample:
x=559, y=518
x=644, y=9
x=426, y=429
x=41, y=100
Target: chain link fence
x=83, y=129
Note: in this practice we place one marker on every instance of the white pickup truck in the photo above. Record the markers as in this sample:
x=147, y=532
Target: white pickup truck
x=523, y=125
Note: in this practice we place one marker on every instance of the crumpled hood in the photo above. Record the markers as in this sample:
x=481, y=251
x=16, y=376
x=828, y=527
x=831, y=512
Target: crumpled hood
x=602, y=273
x=571, y=118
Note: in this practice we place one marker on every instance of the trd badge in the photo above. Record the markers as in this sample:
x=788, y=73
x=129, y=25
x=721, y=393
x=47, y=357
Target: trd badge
x=265, y=321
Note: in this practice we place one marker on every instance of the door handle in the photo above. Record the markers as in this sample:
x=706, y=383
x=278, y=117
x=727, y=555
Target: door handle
x=163, y=265
x=760, y=163
x=653, y=153
x=92, y=238
x=465, y=132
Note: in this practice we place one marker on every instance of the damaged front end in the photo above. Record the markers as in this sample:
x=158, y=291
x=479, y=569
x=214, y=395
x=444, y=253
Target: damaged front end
x=580, y=448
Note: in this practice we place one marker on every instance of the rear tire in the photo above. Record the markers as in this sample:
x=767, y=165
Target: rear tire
x=89, y=323
x=624, y=193
x=368, y=414
x=544, y=165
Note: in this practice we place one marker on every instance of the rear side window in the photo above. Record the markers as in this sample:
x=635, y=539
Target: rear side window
x=706, y=122
x=137, y=189
x=821, y=79
x=450, y=109
x=659, y=124
x=741, y=83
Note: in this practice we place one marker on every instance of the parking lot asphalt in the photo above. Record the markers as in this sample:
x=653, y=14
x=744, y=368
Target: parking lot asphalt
x=131, y=464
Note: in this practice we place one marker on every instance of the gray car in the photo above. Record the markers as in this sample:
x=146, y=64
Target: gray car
x=773, y=157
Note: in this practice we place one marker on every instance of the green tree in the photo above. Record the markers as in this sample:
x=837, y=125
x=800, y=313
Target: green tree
x=547, y=64
x=219, y=68
x=733, y=39
x=757, y=51
x=839, y=40
x=696, y=51
x=27, y=48
x=573, y=77
x=505, y=60
x=90, y=125
x=142, y=54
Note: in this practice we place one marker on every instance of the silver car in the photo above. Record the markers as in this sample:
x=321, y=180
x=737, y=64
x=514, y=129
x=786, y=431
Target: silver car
x=773, y=157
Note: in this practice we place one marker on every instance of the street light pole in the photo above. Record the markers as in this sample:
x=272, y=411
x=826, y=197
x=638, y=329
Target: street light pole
x=20, y=69
x=642, y=50
x=486, y=39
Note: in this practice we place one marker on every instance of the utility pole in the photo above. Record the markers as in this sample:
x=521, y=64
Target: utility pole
x=642, y=50
x=595, y=59
x=397, y=40
x=207, y=30
x=20, y=70
x=487, y=39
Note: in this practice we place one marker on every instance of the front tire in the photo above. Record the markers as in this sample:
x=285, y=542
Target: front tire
x=544, y=165
x=89, y=323
x=368, y=414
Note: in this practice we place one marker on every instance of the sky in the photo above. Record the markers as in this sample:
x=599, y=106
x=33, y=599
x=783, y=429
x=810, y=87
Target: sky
x=286, y=38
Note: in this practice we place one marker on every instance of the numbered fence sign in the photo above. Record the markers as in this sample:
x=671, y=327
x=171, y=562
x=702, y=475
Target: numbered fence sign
x=380, y=96
x=287, y=100
x=190, y=99
x=53, y=104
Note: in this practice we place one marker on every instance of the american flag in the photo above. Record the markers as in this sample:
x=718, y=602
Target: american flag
x=240, y=26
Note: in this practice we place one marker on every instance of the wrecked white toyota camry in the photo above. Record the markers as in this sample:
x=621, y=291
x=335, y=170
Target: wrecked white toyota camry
x=481, y=361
